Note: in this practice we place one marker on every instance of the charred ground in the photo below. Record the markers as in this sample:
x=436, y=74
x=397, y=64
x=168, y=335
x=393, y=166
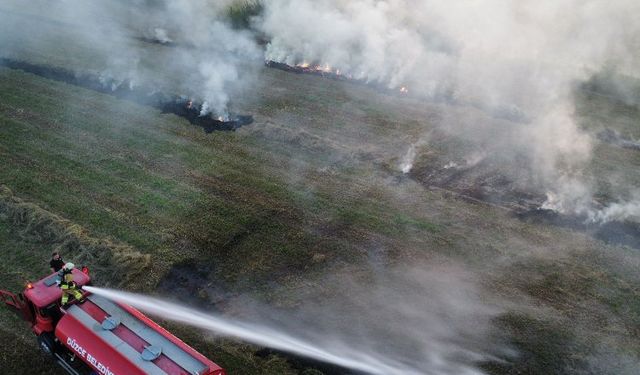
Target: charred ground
x=181, y=106
x=310, y=187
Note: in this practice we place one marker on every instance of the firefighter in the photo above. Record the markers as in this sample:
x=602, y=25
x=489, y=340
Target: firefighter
x=56, y=262
x=68, y=286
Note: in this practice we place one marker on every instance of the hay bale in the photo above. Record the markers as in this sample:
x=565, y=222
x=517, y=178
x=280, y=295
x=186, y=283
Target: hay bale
x=111, y=263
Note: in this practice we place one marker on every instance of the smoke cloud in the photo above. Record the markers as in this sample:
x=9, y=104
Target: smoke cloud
x=201, y=54
x=513, y=65
x=516, y=61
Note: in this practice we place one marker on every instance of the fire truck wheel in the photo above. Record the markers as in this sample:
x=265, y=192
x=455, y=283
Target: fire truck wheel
x=47, y=344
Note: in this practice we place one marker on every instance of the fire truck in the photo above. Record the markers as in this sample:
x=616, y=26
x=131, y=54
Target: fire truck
x=97, y=336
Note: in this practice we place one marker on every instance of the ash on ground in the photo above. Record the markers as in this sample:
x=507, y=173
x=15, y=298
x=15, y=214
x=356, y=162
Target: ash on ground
x=483, y=183
x=479, y=181
x=615, y=138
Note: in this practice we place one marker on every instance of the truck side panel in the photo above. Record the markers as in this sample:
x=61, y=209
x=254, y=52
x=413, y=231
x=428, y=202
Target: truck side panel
x=130, y=336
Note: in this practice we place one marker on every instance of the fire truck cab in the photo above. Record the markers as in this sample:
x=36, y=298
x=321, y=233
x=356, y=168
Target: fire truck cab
x=99, y=336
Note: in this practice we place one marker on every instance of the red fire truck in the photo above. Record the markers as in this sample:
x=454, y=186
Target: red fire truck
x=101, y=337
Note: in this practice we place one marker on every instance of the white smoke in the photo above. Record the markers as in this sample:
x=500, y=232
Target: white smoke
x=618, y=211
x=216, y=77
x=212, y=67
x=407, y=160
x=363, y=39
x=574, y=201
x=161, y=35
x=202, y=61
x=512, y=59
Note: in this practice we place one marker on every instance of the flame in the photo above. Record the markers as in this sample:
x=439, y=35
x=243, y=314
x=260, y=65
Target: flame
x=326, y=69
x=323, y=68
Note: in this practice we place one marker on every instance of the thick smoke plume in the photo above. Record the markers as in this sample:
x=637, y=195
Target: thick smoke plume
x=512, y=65
x=517, y=61
x=200, y=59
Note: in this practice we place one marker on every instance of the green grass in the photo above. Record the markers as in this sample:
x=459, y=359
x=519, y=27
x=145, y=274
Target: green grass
x=309, y=187
x=239, y=13
x=136, y=178
x=28, y=260
x=23, y=262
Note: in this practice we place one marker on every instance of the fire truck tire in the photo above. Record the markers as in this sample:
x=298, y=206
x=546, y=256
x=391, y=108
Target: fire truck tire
x=47, y=344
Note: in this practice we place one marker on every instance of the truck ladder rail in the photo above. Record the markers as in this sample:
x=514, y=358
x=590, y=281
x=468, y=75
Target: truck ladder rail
x=169, y=349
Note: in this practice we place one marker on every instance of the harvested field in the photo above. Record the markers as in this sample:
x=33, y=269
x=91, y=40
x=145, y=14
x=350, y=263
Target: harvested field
x=307, y=219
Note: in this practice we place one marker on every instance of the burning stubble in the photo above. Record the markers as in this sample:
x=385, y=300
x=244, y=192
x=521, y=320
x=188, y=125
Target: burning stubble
x=201, y=57
x=515, y=61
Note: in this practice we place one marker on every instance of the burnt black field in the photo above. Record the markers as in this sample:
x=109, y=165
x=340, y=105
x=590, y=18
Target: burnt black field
x=300, y=207
x=178, y=105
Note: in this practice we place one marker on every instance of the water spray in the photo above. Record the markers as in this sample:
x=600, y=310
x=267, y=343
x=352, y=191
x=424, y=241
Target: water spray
x=256, y=334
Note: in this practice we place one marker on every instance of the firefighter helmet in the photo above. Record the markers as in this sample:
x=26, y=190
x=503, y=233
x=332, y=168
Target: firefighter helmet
x=69, y=266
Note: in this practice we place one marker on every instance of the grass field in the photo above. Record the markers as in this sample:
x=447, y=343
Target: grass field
x=311, y=187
